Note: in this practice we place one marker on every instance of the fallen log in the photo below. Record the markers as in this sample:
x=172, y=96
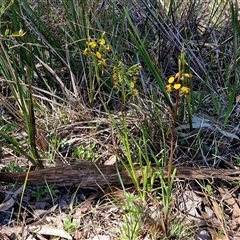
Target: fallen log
x=88, y=174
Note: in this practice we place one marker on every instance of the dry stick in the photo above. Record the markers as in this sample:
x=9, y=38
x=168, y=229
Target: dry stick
x=88, y=174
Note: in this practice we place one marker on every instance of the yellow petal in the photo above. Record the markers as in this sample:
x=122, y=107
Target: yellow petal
x=107, y=47
x=92, y=45
x=115, y=84
x=131, y=84
x=177, y=86
x=101, y=41
x=171, y=79
x=187, y=75
x=169, y=88
x=135, y=92
x=185, y=90
x=85, y=52
x=98, y=55
x=103, y=62
x=134, y=79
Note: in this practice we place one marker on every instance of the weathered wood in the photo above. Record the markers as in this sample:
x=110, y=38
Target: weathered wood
x=88, y=174
x=82, y=173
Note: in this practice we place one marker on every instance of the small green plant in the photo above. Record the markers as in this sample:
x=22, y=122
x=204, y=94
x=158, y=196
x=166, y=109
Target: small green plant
x=42, y=191
x=209, y=189
x=86, y=152
x=166, y=192
x=132, y=217
x=38, y=193
x=51, y=189
x=69, y=225
x=14, y=167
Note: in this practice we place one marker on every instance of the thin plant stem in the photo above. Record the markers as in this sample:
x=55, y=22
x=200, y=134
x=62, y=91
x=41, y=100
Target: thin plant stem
x=170, y=162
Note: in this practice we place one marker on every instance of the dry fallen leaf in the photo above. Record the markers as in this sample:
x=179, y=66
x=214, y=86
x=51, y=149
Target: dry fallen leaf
x=217, y=236
x=111, y=161
x=10, y=200
x=219, y=214
x=101, y=237
x=188, y=203
x=49, y=230
x=231, y=202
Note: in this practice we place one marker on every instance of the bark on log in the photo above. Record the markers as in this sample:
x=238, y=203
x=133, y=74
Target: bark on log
x=88, y=174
